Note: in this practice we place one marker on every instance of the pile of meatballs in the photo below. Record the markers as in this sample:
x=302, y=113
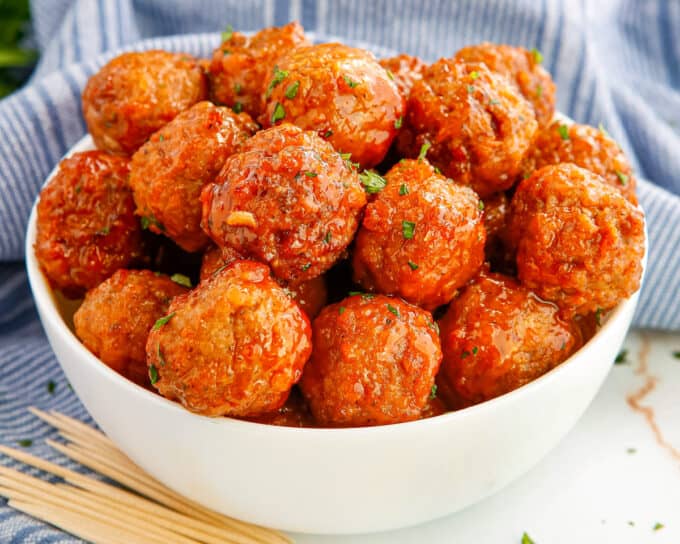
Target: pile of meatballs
x=305, y=235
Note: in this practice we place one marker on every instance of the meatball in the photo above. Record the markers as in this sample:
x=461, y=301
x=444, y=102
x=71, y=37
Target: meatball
x=115, y=318
x=470, y=122
x=311, y=295
x=169, y=171
x=86, y=227
x=496, y=217
x=340, y=92
x=579, y=242
x=135, y=94
x=587, y=147
x=288, y=199
x=241, y=64
x=373, y=363
x=294, y=413
x=497, y=336
x=404, y=70
x=521, y=67
x=421, y=238
x=233, y=346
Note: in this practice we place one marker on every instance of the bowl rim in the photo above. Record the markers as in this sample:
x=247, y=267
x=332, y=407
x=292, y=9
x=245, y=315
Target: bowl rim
x=46, y=303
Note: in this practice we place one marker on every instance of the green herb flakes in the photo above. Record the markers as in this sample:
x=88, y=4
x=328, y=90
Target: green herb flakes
x=470, y=89
x=279, y=113
x=434, y=326
x=474, y=75
x=150, y=220
x=341, y=310
x=412, y=265
x=161, y=137
x=51, y=386
x=433, y=392
x=350, y=83
x=603, y=130
x=237, y=107
x=162, y=321
x=536, y=54
x=398, y=122
x=390, y=74
x=480, y=205
x=539, y=91
x=623, y=178
x=311, y=174
x=228, y=33
x=279, y=76
x=423, y=150
x=403, y=189
x=292, y=90
x=373, y=183
x=494, y=102
x=327, y=238
x=621, y=357
x=526, y=539
x=393, y=310
x=328, y=134
x=153, y=374
x=408, y=229
x=658, y=526
x=306, y=267
x=237, y=88
x=563, y=131
x=598, y=317
x=25, y=443
x=182, y=280
x=465, y=354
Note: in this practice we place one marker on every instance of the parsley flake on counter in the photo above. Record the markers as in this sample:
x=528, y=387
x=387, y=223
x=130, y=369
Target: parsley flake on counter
x=403, y=189
x=413, y=265
x=623, y=178
x=279, y=76
x=372, y=182
x=408, y=229
x=153, y=374
x=182, y=280
x=292, y=90
x=423, y=150
x=538, y=57
x=393, y=310
x=621, y=357
x=658, y=526
x=433, y=392
x=51, y=386
x=398, y=122
x=526, y=539
x=564, y=131
x=27, y=443
x=228, y=33
x=351, y=84
x=279, y=113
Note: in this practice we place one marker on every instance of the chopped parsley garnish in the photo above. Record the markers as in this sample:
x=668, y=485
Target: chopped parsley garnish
x=474, y=75
x=494, y=102
x=480, y=205
x=279, y=76
x=161, y=360
x=347, y=157
x=153, y=374
x=228, y=33
x=433, y=392
x=327, y=238
x=390, y=74
x=341, y=310
x=475, y=350
x=621, y=357
x=226, y=52
x=423, y=150
x=311, y=174
x=25, y=443
x=437, y=170
x=351, y=84
x=408, y=229
x=292, y=90
x=162, y=321
x=365, y=296
x=279, y=113
x=372, y=182
x=181, y=279
x=538, y=58
x=412, y=265
x=539, y=91
x=526, y=539
x=398, y=122
x=51, y=386
x=658, y=526
x=328, y=134
x=393, y=310
x=623, y=178
x=564, y=131
x=602, y=129
x=305, y=267
x=237, y=107
x=161, y=137
x=147, y=221
x=403, y=189
x=434, y=326
x=470, y=89
x=598, y=317
x=465, y=354
x=104, y=231
x=237, y=88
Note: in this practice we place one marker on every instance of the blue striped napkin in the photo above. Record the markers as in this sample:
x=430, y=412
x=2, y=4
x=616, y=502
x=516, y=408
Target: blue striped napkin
x=616, y=62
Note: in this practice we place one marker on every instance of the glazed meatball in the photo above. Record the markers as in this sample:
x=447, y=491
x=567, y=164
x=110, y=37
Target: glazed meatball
x=496, y=217
x=168, y=172
x=241, y=65
x=135, y=94
x=86, y=227
x=421, y=238
x=587, y=147
x=115, y=318
x=340, y=92
x=288, y=199
x=405, y=70
x=579, y=242
x=311, y=295
x=374, y=362
x=294, y=413
x=497, y=336
x=233, y=346
x=523, y=68
x=472, y=123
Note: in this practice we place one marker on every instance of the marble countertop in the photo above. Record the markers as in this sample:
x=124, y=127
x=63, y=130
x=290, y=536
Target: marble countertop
x=615, y=478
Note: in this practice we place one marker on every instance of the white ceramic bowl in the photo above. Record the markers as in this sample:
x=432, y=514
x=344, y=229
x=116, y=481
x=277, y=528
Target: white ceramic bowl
x=332, y=481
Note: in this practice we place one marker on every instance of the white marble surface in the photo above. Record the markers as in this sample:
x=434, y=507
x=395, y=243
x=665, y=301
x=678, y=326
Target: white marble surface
x=611, y=480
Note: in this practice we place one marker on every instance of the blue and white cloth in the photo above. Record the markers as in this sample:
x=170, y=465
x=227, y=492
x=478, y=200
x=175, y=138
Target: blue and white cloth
x=616, y=62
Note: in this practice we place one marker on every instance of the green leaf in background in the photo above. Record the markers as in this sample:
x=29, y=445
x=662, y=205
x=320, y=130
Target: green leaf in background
x=16, y=61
